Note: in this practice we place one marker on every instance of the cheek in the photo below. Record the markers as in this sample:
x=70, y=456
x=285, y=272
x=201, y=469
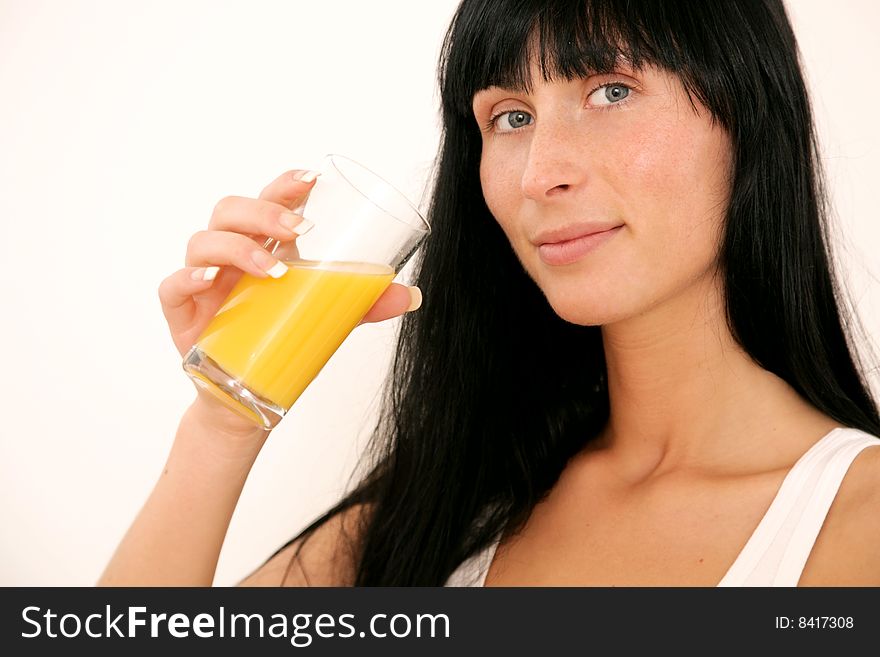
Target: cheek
x=675, y=184
x=498, y=180
x=657, y=167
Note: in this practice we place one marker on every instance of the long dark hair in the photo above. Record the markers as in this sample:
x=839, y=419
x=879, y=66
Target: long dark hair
x=490, y=392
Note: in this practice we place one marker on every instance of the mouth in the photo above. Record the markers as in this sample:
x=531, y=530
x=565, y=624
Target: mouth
x=566, y=252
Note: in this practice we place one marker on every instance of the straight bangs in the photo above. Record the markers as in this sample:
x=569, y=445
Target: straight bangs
x=494, y=43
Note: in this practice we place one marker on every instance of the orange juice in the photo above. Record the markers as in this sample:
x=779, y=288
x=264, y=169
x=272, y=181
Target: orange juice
x=275, y=335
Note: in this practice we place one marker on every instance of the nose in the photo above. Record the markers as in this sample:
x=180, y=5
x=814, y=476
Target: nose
x=553, y=167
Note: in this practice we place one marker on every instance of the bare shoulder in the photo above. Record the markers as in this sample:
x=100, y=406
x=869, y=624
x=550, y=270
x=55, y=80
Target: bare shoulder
x=860, y=492
x=327, y=556
x=845, y=552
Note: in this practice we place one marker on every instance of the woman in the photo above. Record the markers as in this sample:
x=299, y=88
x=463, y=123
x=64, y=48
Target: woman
x=616, y=410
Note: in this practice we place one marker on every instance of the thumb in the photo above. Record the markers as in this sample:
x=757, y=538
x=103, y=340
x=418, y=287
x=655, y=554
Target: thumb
x=396, y=300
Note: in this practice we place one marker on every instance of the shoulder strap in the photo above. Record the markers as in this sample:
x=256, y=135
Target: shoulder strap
x=473, y=570
x=778, y=550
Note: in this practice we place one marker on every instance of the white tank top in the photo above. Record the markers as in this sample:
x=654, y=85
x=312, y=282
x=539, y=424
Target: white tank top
x=777, y=551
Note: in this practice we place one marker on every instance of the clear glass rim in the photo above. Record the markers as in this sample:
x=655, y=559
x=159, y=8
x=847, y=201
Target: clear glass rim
x=333, y=158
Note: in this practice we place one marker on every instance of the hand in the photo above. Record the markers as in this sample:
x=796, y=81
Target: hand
x=233, y=244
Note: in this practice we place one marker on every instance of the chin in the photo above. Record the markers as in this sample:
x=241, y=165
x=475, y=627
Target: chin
x=580, y=303
x=584, y=312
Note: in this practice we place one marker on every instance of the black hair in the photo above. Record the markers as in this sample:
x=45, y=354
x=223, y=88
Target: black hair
x=490, y=392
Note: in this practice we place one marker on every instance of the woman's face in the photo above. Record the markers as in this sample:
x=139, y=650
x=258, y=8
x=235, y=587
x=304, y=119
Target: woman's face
x=624, y=149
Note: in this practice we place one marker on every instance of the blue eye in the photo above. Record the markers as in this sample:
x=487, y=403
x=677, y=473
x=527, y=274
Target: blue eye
x=511, y=120
x=611, y=93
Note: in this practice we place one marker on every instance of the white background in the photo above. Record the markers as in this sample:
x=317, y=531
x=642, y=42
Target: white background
x=122, y=123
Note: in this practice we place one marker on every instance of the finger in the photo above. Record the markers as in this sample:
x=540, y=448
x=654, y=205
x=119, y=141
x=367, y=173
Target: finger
x=396, y=300
x=213, y=247
x=176, y=294
x=250, y=216
x=290, y=189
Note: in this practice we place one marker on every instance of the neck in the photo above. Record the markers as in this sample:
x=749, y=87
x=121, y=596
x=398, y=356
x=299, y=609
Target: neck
x=684, y=396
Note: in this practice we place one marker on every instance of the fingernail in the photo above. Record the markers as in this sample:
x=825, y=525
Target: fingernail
x=275, y=268
x=303, y=227
x=295, y=223
x=308, y=176
x=205, y=273
x=415, y=295
x=278, y=270
x=288, y=220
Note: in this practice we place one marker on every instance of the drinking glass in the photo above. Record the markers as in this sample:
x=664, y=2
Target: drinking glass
x=271, y=337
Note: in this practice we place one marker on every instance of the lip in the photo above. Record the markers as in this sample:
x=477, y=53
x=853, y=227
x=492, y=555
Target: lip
x=572, y=231
x=567, y=251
